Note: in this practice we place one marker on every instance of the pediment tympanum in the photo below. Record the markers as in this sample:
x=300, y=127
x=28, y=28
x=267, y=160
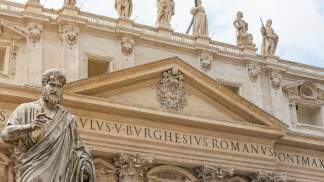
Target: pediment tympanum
x=172, y=90
x=11, y=31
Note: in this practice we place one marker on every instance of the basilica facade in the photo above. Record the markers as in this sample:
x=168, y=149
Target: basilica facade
x=161, y=106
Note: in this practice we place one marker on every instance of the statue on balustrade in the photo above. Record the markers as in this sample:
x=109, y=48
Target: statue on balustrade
x=69, y=2
x=166, y=9
x=124, y=8
x=269, y=40
x=242, y=35
x=44, y=133
x=200, y=22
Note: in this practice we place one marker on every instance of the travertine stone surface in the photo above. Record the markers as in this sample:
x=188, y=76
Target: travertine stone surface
x=44, y=130
x=269, y=40
x=240, y=110
x=243, y=37
x=124, y=8
x=200, y=23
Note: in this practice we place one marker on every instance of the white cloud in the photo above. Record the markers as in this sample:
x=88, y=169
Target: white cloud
x=300, y=24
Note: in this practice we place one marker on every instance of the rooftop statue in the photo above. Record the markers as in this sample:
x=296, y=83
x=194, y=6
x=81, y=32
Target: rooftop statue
x=46, y=137
x=166, y=9
x=242, y=35
x=200, y=22
x=69, y=2
x=269, y=40
x=124, y=8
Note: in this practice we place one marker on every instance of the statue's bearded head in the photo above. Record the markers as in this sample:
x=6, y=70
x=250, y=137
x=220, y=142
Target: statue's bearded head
x=53, y=81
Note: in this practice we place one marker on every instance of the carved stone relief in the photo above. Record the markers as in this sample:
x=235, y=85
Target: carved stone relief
x=304, y=91
x=104, y=171
x=264, y=176
x=127, y=45
x=205, y=61
x=171, y=92
x=34, y=32
x=254, y=71
x=207, y=173
x=166, y=173
x=275, y=79
x=69, y=34
x=132, y=167
x=33, y=1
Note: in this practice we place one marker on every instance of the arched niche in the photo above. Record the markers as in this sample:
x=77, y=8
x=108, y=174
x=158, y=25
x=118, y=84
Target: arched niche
x=105, y=171
x=169, y=173
x=237, y=179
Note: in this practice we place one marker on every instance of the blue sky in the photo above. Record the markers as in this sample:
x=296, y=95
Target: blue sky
x=299, y=23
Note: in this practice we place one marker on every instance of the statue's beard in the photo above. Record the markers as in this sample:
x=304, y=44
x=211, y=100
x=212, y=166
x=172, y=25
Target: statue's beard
x=51, y=98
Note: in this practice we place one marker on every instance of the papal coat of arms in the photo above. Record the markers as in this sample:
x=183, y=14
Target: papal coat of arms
x=170, y=90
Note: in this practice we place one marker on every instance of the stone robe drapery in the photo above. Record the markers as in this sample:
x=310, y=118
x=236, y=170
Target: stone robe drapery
x=269, y=42
x=58, y=156
x=200, y=23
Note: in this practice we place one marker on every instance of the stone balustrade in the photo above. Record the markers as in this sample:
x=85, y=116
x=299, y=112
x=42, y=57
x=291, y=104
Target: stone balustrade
x=12, y=8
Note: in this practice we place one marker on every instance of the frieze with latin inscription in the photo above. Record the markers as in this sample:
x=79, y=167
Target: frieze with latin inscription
x=119, y=129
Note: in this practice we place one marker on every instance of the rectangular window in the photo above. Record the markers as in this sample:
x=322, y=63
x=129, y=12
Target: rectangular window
x=97, y=66
x=310, y=115
x=2, y=58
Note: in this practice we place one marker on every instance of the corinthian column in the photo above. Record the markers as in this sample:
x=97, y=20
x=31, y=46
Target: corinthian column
x=132, y=168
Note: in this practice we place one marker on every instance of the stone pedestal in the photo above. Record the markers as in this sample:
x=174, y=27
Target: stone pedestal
x=249, y=50
x=272, y=59
x=70, y=10
x=124, y=22
x=164, y=31
x=33, y=7
x=202, y=40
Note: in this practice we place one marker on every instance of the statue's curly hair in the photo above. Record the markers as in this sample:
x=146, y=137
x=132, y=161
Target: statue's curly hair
x=53, y=72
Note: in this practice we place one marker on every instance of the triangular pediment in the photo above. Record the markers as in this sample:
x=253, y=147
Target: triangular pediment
x=203, y=99
x=11, y=31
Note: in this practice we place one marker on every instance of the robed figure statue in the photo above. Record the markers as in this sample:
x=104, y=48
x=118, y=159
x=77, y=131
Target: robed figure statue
x=46, y=137
x=200, y=22
x=269, y=40
x=166, y=9
x=243, y=37
x=124, y=8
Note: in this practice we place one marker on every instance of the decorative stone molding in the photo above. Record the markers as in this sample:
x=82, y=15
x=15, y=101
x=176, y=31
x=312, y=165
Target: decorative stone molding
x=169, y=172
x=304, y=91
x=132, y=167
x=127, y=45
x=170, y=91
x=254, y=71
x=275, y=79
x=105, y=171
x=207, y=173
x=34, y=32
x=69, y=34
x=205, y=61
x=262, y=176
x=280, y=177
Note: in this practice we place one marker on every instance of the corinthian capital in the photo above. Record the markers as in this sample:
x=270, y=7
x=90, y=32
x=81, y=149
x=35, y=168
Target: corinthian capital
x=132, y=167
x=207, y=173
